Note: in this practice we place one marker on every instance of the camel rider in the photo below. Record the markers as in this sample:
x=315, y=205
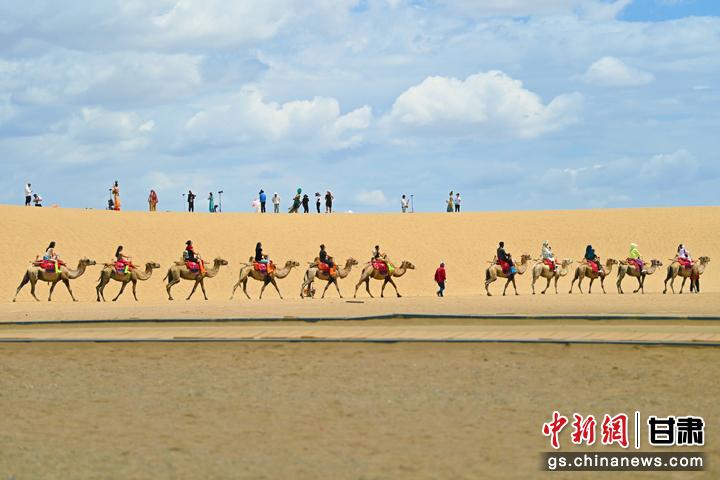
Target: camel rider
x=122, y=260
x=683, y=257
x=381, y=258
x=504, y=259
x=191, y=256
x=548, y=256
x=327, y=260
x=52, y=256
x=592, y=259
x=262, y=259
x=636, y=258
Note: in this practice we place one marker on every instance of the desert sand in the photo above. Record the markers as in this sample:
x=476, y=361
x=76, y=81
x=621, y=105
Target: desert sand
x=465, y=242
x=327, y=411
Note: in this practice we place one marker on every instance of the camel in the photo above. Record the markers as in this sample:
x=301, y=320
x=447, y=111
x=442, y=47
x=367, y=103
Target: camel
x=369, y=271
x=314, y=272
x=179, y=272
x=584, y=270
x=674, y=270
x=35, y=273
x=631, y=270
x=248, y=271
x=494, y=271
x=110, y=273
x=542, y=270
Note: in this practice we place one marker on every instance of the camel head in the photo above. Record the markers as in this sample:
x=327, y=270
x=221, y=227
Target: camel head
x=704, y=260
x=655, y=263
x=220, y=261
x=87, y=262
x=525, y=258
x=407, y=265
x=152, y=265
x=351, y=261
x=292, y=264
x=611, y=261
x=566, y=262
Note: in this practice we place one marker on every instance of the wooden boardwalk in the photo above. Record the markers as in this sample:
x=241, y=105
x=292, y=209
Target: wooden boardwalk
x=652, y=334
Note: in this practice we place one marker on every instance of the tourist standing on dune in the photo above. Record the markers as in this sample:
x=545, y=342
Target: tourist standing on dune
x=153, y=201
x=404, y=204
x=211, y=203
x=191, y=201
x=440, y=277
x=263, y=200
x=450, y=203
x=306, y=204
x=329, y=201
x=115, y=190
x=28, y=194
x=317, y=201
x=276, y=202
x=457, y=202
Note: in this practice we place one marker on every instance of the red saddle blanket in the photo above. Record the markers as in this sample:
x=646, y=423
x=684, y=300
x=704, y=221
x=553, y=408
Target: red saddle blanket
x=593, y=266
x=685, y=263
x=260, y=267
x=193, y=266
x=380, y=266
x=120, y=267
x=47, y=265
x=324, y=267
x=504, y=265
x=549, y=263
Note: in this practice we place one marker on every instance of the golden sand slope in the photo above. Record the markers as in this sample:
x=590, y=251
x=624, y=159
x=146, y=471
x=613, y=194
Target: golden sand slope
x=465, y=242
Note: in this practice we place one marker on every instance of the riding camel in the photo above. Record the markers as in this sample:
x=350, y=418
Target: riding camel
x=314, y=272
x=584, y=270
x=179, y=271
x=248, y=271
x=371, y=272
x=133, y=276
x=495, y=271
x=632, y=270
x=542, y=270
x=35, y=273
x=674, y=270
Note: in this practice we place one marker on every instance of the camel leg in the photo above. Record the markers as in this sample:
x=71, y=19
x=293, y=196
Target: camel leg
x=262, y=289
x=580, y=279
x=52, y=287
x=602, y=284
x=488, y=280
x=390, y=280
x=100, y=289
x=122, y=289
x=134, y=282
x=202, y=287
x=683, y=285
x=245, y=282
x=367, y=287
x=382, y=289
x=170, y=284
x=548, y=286
x=67, y=285
x=327, y=285
x=514, y=285
x=235, y=287
x=197, y=282
x=592, y=280
x=533, y=284
x=556, y=282
x=576, y=277
x=337, y=287
x=24, y=281
x=640, y=284
x=619, y=282
x=274, y=284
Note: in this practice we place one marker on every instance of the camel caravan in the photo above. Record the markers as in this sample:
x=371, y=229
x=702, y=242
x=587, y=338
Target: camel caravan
x=50, y=268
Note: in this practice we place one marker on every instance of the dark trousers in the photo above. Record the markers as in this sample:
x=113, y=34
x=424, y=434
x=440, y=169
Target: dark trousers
x=262, y=207
x=28, y=199
x=191, y=207
x=317, y=205
x=457, y=207
x=442, y=289
x=306, y=208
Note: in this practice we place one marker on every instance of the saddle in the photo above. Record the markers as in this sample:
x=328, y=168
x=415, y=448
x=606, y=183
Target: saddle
x=268, y=268
x=192, y=266
x=47, y=265
x=324, y=267
x=505, y=266
x=381, y=266
x=122, y=267
x=549, y=263
x=593, y=266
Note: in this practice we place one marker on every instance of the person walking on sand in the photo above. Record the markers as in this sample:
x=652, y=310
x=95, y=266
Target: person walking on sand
x=115, y=190
x=329, y=201
x=404, y=204
x=317, y=201
x=457, y=202
x=276, y=202
x=191, y=201
x=211, y=203
x=306, y=204
x=153, y=201
x=440, y=278
x=28, y=194
x=450, y=203
x=263, y=200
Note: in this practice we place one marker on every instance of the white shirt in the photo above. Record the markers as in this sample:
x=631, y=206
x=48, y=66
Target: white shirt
x=276, y=199
x=28, y=191
x=457, y=200
x=405, y=202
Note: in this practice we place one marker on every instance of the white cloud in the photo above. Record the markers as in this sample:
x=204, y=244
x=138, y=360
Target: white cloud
x=595, y=9
x=246, y=117
x=373, y=198
x=613, y=72
x=96, y=125
x=482, y=104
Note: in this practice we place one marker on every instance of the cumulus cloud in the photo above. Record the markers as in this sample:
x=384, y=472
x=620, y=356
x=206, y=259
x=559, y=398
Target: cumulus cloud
x=373, y=198
x=96, y=125
x=613, y=72
x=247, y=117
x=595, y=9
x=483, y=104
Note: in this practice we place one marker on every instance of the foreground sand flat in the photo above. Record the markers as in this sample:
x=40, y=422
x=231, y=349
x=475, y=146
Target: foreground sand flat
x=465, y=242
x=326, y=410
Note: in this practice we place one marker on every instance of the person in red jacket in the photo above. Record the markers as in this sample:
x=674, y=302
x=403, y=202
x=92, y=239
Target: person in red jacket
x=440, y=277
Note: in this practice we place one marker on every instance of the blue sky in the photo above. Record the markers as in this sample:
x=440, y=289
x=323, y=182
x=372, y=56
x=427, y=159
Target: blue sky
x=517, y=104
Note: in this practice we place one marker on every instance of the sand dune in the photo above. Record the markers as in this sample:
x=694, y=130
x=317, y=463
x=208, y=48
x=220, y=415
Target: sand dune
x=465, y=242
